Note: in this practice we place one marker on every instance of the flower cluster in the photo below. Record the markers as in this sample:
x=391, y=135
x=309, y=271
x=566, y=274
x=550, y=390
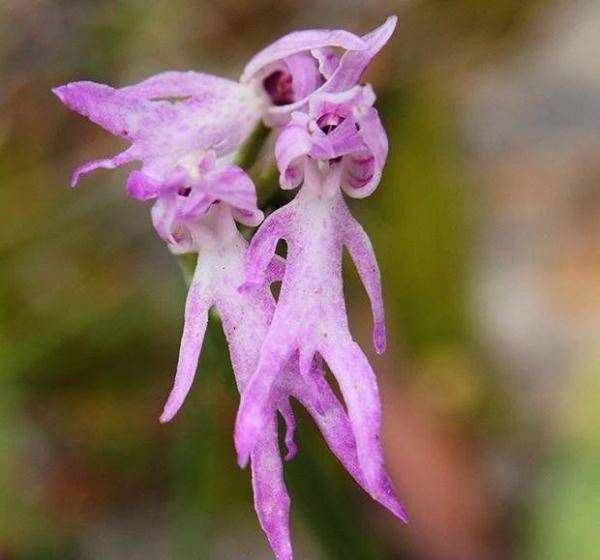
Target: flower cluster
x=186, y=129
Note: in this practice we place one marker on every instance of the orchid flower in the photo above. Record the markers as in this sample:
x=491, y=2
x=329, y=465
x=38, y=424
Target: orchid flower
x=170, y=120
x=183, y=127
x=245, y=317
x=339, y=145
x=303, y=63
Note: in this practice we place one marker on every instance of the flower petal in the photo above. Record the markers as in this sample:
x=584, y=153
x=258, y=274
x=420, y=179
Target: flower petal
x=336, y=429
x=271, y=500
x=327, y=59
x=196, y=318
x=300, y=41
x=363, y=169
x=233, y=186
x=347, y=73
x=170, y=115
x=359, y=387
x=354, y=62
x=120, y=159
x=361, y=251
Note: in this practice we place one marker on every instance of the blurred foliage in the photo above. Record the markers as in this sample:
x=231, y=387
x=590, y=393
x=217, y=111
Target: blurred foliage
x=564, y=514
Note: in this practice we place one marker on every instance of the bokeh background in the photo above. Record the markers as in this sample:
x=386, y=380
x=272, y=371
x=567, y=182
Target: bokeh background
x=487, y=227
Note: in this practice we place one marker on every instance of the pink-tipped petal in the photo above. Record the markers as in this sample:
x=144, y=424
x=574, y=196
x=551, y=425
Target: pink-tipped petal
x=334, y=425
x=196, y=319
x=359, y=387
x=361, y=250
x=271, y=500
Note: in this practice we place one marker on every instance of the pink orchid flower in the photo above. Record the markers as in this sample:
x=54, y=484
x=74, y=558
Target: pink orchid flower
x=339, y=144
x=185, y=127
x=302, y=63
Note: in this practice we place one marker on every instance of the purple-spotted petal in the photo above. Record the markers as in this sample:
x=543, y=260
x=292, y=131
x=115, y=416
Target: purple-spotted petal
x=171, y=85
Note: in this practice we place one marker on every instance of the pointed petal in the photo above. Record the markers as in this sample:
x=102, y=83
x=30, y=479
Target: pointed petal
x=104, y=106
x=300, y=41
x=359, y=387
x=196, y=319
x=336, y=429
x=170, y=115
x=120, y=159
x=271, y=500
x=361, y=250
x=253, y=412
x=354, y=62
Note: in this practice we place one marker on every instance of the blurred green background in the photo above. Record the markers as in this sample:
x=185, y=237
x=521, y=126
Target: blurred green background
x=487, y=227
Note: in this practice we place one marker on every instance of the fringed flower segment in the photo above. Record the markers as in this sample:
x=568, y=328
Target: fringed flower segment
x=186, y=129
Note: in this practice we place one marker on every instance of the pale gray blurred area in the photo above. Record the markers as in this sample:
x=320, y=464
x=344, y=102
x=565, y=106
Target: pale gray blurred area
x=533, y=125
